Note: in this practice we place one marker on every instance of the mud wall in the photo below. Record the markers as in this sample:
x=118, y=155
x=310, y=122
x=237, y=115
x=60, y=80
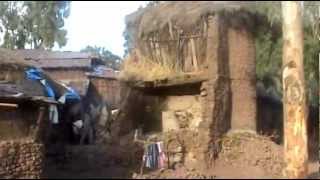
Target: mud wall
x=21, y=159
x=216, y=92
x=109, y=90
x=75, y=78
x=243, y=79
x=193, y=122
x=225, y=101
x=16, y=123
x=181, y=112
x=181, y=118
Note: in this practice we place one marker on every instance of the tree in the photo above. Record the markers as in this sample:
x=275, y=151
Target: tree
x=107, y=58
x=294, y=95
x=268, y=49
x=38, y=24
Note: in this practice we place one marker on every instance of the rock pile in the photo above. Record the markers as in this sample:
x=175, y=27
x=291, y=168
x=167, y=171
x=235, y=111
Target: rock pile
x=21, y=159
x=246, y=149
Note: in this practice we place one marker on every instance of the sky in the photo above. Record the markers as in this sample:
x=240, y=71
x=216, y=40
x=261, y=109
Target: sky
x=99, y=23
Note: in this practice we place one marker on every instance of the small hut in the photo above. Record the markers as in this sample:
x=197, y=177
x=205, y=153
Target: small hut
x=190, y=77
x=25, y=116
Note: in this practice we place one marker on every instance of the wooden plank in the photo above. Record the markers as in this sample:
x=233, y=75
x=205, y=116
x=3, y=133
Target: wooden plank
x=38, y=130
x=187, y=78
x=170, y=30
x=9, y=105
x=194, y=55
x=188, y=58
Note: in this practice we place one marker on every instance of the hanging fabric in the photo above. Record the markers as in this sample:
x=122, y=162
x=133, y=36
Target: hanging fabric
x=53, y=114
x=154, y=157
x=162, y=157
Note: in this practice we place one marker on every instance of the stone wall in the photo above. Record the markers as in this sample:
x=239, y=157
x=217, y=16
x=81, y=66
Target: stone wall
x=22, y=146
x=21, y=159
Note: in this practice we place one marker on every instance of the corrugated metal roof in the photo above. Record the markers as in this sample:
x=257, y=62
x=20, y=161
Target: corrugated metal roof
x=56, y=59
x=62, y=63
x=43, y=54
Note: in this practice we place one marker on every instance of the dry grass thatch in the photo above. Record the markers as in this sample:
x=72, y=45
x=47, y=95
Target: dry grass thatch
x=145, y=70
x=186, y=15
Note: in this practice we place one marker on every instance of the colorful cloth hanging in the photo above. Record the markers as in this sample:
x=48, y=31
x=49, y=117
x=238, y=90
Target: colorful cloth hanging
x=154, y=156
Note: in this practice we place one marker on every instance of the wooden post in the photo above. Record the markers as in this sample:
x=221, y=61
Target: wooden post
x=294, y=95
x=38, y=130
x=194, y=55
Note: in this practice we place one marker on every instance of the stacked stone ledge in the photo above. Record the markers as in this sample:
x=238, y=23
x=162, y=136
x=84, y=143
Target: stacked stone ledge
x=21, y=159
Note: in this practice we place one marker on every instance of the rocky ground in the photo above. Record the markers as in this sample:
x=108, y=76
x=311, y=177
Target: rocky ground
x=242, y=156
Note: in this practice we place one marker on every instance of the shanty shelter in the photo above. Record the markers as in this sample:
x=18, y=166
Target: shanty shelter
x=29, y=110
x=190, y=76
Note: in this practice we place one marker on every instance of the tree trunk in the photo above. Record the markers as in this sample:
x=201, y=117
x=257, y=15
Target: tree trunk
x=294, y=95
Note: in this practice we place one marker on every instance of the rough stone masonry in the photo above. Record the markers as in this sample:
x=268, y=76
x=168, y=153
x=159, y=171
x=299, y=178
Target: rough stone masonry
x=21, y=159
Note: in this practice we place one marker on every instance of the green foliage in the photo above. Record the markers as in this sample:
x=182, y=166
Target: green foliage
x=108, y=58
x=269, y=61
x=38, y=24
x=269, y=50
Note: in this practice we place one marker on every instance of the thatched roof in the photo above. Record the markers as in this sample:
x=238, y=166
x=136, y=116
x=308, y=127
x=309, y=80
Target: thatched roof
x=184, y=14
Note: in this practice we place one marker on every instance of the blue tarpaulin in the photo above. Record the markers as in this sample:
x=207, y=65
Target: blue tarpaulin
x=72, y=94
x=36, y=74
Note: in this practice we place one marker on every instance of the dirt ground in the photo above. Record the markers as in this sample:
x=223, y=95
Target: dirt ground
x=245, y=156
x=88, y=161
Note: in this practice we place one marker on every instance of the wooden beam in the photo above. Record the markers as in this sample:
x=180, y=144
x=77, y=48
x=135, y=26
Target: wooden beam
x=9, y=105
x=38, y=130
x=294, y=94
x=186, y=78
x=194, y=55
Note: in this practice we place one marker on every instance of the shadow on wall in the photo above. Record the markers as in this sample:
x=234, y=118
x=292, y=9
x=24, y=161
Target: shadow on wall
x=270, y=123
